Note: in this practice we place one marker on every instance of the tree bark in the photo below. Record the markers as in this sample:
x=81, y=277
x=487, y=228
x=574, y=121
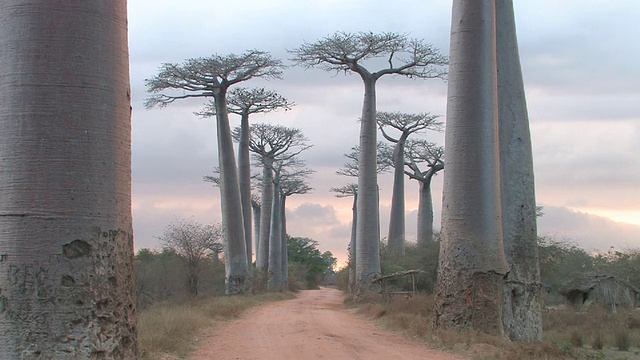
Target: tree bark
x=283, y=244
x=256, y=227
x=352, y=245
x=275, y=250
x=367, y=233
x=66, y=254
x=522, y=310
x=396, y=238
x=425, y=213
x=472, y=262
x=238, y=277
x=244, y=181
x=262, y=260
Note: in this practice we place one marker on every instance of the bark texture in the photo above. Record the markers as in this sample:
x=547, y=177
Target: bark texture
x=523, y=320
x=472, y=261
x=256, y=208
x=283, y=244
x=489, y=269
x=396, y=237
x=66, y=254
x=352, y=245
x=425, y=213
x=262, y=258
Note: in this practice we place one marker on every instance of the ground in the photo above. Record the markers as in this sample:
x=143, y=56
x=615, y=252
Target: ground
x=314, y=325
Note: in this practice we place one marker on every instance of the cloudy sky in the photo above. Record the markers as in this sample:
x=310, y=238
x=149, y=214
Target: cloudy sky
x=581, y=64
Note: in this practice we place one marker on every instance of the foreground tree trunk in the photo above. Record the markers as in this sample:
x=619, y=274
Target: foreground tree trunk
x=283, y=244
x=472, y=261
x=367, y=221
x=522, y=317
x=66, y=248
x=238, y=277
x=256, y=207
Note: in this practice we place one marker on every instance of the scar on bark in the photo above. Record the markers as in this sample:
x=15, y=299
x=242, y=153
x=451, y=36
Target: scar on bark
x=76, y=249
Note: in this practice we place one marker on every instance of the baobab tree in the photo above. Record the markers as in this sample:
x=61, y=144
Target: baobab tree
x=406, y=125
x=66, y=254
x=211, y=77
x=348, y=52
x=350, y=169
x=244, y=102
x=270, y=144
x=419, y=153
x=486, y=280
x=193, y=242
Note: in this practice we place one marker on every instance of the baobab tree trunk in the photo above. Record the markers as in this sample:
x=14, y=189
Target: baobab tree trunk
x=425, y=213
x=396, y=236
x=256, y=226
x=283, y=244
x=472, y=262
x=66, y=254
x=262, y=259
x=352, y=245
x=244, y=181
x=275, y=250
x=367, y=233
x=238, y=277
x=522, y=318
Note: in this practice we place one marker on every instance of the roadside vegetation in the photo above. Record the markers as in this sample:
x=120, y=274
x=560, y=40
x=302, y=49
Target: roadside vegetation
x=172, y=316
x=590, y=331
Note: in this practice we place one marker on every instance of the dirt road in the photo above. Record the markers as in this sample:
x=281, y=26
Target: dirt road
x=312, y=326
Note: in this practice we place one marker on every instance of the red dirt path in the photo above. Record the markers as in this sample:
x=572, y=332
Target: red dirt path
x=312, y=326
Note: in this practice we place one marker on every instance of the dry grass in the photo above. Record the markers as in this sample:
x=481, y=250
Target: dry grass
x=590, y=334
x=170, y=331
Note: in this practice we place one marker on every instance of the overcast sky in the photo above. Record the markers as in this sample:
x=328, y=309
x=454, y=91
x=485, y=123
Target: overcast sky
x=581, y=64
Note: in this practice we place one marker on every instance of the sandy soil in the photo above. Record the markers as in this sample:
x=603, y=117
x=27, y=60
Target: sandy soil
x=312, y=326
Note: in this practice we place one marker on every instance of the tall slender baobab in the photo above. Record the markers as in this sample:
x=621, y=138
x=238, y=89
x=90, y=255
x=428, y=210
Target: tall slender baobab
x=211, y=77
x=488, y=277
x=523, y=321
x=406, y=125
x=419, y=152
x=244, y=102
x=270, y=144
x=66, y=248
x=349, y=53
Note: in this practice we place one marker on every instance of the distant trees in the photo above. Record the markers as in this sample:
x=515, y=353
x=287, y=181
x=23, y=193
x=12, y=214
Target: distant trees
x=406, y=125
x=211, y=77
x=308, y=264
x=244, y=102
x=347, y=52
x=66, y=237
x=193, y=242
x=420, y=153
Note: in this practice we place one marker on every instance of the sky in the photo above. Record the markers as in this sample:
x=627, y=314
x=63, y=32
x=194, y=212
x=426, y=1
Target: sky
x=581, y=67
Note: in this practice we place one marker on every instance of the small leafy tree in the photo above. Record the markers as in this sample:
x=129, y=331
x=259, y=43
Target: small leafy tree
x=193, y=242
x=308, y=264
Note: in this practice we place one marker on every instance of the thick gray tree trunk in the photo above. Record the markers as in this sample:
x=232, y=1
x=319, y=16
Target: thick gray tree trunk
x=256, y=226
x=238, y=277
x=352, y=245
x=367, y=230
x=244, y=181
x=66, y=248
x=262, y=259
x=425, y=213
x=472, y=261
x=283, y=244
x=522, y=317
x=396, y=238
x=275, y=237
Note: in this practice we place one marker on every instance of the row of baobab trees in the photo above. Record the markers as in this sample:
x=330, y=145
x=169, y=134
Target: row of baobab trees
x=66, y=243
